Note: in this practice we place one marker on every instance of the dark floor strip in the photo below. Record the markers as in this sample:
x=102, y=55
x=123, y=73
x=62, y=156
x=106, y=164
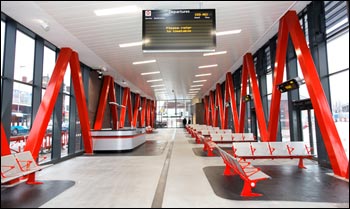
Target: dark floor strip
x=159, y=194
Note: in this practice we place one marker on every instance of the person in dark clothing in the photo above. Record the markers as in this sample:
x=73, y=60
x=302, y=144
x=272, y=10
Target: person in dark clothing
x=184, y=121
x=189, y=121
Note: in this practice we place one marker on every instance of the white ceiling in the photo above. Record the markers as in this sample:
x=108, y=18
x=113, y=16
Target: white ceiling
x=74, y=24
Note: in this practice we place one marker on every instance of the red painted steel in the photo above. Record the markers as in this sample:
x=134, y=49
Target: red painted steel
x=42, y=118
x=243, y=94
x=248, y=62
x=152, y=113
x=213, y=109
x=136, y=110
x=43, y=115
x=77, y=80
x=281, y=51
x=102, y=103
x=113, y=108
x=230, y=96
x=127, y=106
x=143, y=112
x=222, y=110
x=148, y=113
x=330, y=135
x=5, y=148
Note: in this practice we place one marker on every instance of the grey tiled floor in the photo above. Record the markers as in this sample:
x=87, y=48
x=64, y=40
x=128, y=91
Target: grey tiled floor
x=131, y=181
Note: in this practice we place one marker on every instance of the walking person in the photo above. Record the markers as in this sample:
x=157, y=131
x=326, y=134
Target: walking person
x=184, y=122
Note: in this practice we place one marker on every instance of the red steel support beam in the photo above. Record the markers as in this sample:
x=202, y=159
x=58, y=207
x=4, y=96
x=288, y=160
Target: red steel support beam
x=113, y=108
x=222, y=108
x=281, y=51
x=248, y=62
x=47, y=104
x=152, y=113
x=77, y=80
x=102, y=103
x=243, y=94
x=143, y=112
x=148, y=113
x=5, y=148
x=127, y=106
x=213, y=109
x=136, y=110
x=42, y=118
x=330, y=135
x=230, y=96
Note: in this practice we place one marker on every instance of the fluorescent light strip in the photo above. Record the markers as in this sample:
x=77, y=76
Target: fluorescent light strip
x=118, y=10
x=159, y=89
x=199, y=85
x=131, y=44
x=201, y=75
x=144, y=62
x=195, y=89
x=193, y=92
x=229, y=32
x=214, y=53
x=155, y=80
x=207, y=66
x=158, y=85
x=199, y=81
x=139, y=43
x=151, y=73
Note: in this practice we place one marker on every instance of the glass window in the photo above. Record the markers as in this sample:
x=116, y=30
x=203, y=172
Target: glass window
x=338, y=53
x=269, y=83
x=65, y=125
x=2, y=41
x=339, y=85
x=48, y=65
x=24, y=58
x=21, y=109
x=46, y=146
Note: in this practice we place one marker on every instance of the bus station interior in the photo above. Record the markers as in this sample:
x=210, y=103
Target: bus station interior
x=111, y=125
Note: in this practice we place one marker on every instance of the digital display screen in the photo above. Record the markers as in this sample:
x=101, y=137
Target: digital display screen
x=178, y=30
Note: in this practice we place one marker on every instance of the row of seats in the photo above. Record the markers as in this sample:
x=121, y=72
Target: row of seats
x=17, y=166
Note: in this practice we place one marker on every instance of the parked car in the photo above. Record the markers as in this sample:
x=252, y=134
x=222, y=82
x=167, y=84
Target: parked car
x=19, y=130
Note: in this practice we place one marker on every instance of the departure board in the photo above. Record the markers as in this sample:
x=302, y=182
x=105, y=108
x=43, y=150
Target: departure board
x=178, y=30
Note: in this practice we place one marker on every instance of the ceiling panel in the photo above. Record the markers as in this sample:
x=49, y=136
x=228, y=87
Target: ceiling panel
x=96, y=39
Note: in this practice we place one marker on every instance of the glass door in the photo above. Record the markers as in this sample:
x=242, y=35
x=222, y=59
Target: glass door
x=308, y=129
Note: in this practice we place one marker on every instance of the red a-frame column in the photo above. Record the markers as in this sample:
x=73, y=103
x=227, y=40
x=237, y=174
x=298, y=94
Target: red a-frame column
x=42, y=118
x=336, y=153
x=136, y=110
x=126, y=107
x=230, y=96
x=222, y=109
x=213, y=109
x=107, y=89
x=143, y=112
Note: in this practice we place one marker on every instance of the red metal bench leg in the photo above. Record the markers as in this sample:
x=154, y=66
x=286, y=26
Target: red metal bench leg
x=247, y=190
x=301, y=163
x=228, y=171
x=31, y=179
x=210, y=151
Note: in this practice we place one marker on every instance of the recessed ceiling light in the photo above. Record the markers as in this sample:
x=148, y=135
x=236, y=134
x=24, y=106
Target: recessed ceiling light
x=144, y=62
x=214, y=53
x=155, y=80
x=157, y=85
x=197, y=85
x=117, y=10
x=150, y=73
x=229, y=32
x=201, y=75
x=199, y=81
x=207, y=66
x=139, y=43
